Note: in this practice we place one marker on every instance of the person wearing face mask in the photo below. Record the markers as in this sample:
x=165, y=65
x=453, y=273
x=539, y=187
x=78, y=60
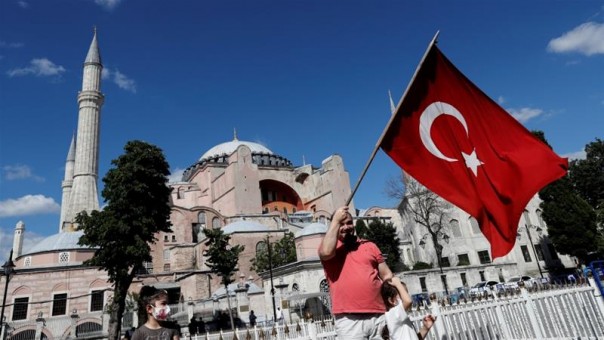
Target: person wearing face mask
x=154, y=303
x=355, y=270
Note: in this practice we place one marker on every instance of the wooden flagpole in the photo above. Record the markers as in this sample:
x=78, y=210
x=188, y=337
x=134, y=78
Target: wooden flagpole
x=379, y=142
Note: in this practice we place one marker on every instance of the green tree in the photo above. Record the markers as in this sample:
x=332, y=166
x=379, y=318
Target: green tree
x=384, y=235
x=137, y=208
x=361, y=228
x=283, y=252
x=570, y=220
x=222, y=259
x=572, y=205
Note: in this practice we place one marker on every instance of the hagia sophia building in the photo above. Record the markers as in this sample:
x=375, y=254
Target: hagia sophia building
x=242, y=187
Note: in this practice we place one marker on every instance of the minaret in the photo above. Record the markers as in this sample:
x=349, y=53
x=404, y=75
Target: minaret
x=18, y=239
x=67, y=182
x=84, y=195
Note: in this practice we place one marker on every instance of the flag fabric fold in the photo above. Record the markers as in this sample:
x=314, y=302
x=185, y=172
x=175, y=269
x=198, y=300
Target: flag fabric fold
x=460, y=144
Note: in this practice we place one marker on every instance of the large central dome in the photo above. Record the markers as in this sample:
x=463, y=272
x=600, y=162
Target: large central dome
x=230, y=147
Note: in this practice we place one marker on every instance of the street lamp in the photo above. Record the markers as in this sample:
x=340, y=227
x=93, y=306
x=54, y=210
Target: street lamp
x=270, y=271
x=8, y=268
x=533, y=246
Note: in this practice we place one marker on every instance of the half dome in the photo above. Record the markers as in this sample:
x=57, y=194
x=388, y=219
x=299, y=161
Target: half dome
x=311, y=229
x=60, y=241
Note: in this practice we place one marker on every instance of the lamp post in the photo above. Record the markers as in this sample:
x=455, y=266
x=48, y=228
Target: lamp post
x=270, y=271
x=534, y=250
x=8, y=268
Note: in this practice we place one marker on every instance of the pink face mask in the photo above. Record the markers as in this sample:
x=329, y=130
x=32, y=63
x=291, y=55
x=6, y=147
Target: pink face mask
x=161, y=313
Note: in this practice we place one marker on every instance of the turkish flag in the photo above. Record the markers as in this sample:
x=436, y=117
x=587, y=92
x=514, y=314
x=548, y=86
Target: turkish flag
x=461, y=145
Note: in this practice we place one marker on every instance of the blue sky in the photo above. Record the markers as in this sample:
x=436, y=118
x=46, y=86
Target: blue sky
x=305, y=78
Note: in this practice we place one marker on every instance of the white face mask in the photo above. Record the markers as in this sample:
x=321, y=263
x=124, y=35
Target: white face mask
x=161, y=313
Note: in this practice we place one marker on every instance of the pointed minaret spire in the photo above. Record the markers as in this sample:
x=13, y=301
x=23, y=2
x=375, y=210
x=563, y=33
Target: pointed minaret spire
x=84, y=192
x=235, y=134
x=392, y=106
x=93, y=55
x=67, y=183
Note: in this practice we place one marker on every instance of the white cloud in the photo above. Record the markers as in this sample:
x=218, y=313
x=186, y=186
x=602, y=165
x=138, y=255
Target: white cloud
x=120, y=79
x=107, y=4
x=4, y=44
x=16, y=172
x=576, y=155
x=23, y=4
x=38, y=67
x=124, y=82
x=176, y=175
x=525, y=114
x=587, y=39
x=29, y=205
x=500, y=100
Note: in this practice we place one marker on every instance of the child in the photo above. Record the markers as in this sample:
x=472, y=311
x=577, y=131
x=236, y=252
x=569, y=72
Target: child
x=398, y=302
x=154, y=303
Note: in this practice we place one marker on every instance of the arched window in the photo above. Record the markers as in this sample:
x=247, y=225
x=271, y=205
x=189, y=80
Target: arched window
x=260, y=247
x=474, y=225
x=201, y=219
x=455, y=228
x=295, y=287
x=180, y=193
x=216, y=223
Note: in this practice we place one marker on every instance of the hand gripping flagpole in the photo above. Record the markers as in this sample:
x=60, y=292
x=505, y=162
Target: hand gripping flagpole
x=379, y=142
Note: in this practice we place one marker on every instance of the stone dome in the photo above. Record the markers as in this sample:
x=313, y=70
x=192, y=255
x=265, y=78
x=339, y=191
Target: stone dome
x=60, y=241
x=228, y=148
x=311, y=229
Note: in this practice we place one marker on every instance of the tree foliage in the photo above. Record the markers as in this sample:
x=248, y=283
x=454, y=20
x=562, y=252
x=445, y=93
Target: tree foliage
x=385, y=236
x=222, y=259
x=283, y=252
x=573, y=206
x=137, y=208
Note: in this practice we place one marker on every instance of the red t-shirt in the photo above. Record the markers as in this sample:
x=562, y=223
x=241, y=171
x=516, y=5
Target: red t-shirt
x=354, y=281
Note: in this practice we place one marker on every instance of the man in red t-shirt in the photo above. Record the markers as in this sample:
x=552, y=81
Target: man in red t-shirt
x=355, y=270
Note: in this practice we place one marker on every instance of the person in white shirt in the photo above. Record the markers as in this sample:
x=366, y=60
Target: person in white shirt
x=398, y=302
x=279, y=315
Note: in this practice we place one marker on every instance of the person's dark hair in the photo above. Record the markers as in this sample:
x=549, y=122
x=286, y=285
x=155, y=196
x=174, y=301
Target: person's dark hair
x=388, y=291
x=147, y=297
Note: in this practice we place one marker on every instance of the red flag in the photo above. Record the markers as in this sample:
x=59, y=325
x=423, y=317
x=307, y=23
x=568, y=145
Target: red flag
x=460, y=144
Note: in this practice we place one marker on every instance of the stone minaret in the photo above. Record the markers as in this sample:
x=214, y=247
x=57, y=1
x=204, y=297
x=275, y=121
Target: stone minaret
x=67, y=182
x=18, y=239
x=84, y=195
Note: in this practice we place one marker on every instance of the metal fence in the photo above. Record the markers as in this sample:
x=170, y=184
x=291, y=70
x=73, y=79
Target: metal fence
x=542, y=312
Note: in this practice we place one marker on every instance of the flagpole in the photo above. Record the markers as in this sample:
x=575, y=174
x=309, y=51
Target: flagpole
x=379, y=142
